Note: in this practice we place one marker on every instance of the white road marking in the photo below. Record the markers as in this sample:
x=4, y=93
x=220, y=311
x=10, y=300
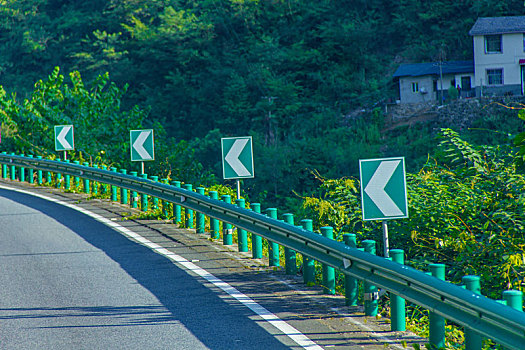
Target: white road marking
x=288, y=330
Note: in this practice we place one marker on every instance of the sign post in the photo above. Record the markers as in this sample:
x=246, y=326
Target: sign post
x=64, y=139
x=237, y=159
x=383, y=191
x=142, y=146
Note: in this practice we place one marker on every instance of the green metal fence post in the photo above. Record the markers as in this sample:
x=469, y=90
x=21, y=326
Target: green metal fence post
x=351, y=287
x=144, y=197
x=273, y=248
x=328, y=271
x=201, y=218
x=31, y=174
x=134, y=194
x=94, y=187
x=13, y=171
x=189, y=212
x=76, y=178
x=67, y=179
x=257, y=251
x=86, y=181
x=514, y=299
x=49, y=178
x=114, y=189
x=4, y=168
x=123, y=191
x=39, y=179
x=22, y=172
x=155, y=200
x=290, y=258
x=436, y=335
x=473, y=341
x=58, y=177
x=165, y=204
x=103, y=186
x=215, y=228
x=242, y=235
x=308, y=263
x=397, y=304
x=227, y=235
x=176, y=208
x=371, y=296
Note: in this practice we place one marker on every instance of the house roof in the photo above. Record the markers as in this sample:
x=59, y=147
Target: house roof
x=432, y=68
x=498, y=25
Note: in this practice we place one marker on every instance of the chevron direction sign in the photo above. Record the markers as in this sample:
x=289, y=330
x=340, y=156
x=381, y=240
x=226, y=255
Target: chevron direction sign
x=142, y=145
x=383, y=188
x=64, y=140
x=237, y=157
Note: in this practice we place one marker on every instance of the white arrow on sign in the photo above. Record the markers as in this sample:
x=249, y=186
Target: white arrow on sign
x=62, y=137
x=232, y=158
x=138, y=145
x=376, y=188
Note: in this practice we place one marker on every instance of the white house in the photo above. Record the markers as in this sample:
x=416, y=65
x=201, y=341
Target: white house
x=429, y=82
x=499, y=55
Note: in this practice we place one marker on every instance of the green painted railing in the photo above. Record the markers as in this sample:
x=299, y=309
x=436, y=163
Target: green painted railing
x=478, y=314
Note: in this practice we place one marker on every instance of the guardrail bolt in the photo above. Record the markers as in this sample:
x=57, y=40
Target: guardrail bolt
x=308, y=263
x=473, y=340
x=31, y=175
x=371, y=295
x=134, y=195
x=273, y=248
x=215, y=226
x=328, y=271
x=257, y=251
x=242, y=235
x=189, y=212
x=227, y=234
x=290, y=257
x=177, y=218
x=397, y=304
x=123, y=191
x=201, y=218
x=436, y=335
x=351, y=286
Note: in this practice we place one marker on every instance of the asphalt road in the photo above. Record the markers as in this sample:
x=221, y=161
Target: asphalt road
x=68, y=281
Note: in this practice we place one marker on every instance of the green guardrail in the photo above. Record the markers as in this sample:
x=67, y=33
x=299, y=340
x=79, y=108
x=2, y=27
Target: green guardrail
x=479, y=315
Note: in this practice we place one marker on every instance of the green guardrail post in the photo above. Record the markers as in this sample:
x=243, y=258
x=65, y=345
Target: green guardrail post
x=13, y=171
x=67, y=179
x=87, y=189
x=4, y=169
x=49, y=178
x=58, y=177
x=257, y=251
x=114, y=189
x=273, y=248
x=473, y=341
x=39, y=178
x=103, y=186
x=22, y=172
x=176, y=208
x=215, y=228
x=155, y=200
x=397, y=304
x=227, y=234
x=514, y=299
x=76, y=178
x=144, y=197
x=308, y=263
x=189, y=212
x=371, y=296
x=436, y=327
x=351, y=286
x=31, y=173
x=200, y=217
x=242, y=235
x=328, y=271
x=165, y=204
x=290, y=258
x=123, y=191
x=134, y=194
x=94, y=184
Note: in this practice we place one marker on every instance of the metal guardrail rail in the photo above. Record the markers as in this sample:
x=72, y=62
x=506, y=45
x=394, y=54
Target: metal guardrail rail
x=489, y=318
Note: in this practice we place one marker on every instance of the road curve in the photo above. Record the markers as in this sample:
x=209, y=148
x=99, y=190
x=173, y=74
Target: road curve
x=68, y=281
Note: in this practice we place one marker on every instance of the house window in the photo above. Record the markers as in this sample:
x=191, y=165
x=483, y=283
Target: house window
x=495, y=76
x=415, y=87
x=493, y=43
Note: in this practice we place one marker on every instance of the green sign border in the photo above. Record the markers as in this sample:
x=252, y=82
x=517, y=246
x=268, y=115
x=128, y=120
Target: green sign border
x=72, y=138
x=132, y=140
x=246, y=158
